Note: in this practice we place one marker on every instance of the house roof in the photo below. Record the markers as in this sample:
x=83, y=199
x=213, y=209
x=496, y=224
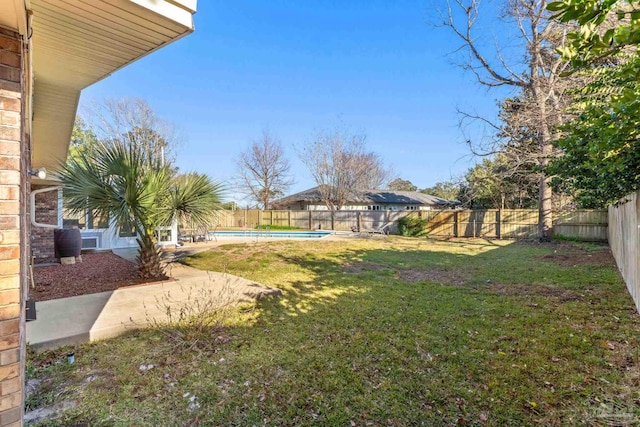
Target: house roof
x=313, y=195
x=407, y=198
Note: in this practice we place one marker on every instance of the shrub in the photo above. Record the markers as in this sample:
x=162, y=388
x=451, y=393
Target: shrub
x=412, y=227
x=276, y=227
x=195, y=322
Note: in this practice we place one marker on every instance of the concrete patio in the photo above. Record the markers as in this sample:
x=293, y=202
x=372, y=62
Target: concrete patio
x=97, y=316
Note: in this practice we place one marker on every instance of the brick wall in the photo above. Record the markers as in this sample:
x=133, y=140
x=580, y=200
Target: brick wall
x=13, y=228
x=46, y=209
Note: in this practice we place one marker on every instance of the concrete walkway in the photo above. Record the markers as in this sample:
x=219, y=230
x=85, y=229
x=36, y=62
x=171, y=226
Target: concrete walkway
x=92, y=317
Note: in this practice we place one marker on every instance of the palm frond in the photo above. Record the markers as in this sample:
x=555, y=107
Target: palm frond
x=195, y=198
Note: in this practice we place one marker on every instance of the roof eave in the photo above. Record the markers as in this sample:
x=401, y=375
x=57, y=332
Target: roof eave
x=76, y=44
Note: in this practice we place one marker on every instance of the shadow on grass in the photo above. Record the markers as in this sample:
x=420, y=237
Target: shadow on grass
x=407, y=332
x=492, y=332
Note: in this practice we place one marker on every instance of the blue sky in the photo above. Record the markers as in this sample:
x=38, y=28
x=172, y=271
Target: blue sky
x=294, y=67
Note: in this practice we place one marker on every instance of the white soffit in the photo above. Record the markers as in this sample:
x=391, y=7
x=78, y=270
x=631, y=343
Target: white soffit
x=79, y=42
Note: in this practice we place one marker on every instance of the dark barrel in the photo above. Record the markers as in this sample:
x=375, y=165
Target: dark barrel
x=68, y=242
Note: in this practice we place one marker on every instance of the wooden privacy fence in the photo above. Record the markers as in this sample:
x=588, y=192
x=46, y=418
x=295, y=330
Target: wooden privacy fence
x=590, y=225
x=488, y=223
x=624, y=240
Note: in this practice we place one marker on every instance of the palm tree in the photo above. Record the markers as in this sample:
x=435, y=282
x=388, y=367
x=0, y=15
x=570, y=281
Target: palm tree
x=139, y=193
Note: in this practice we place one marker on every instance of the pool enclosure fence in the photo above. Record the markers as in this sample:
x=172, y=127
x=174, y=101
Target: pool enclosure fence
x=588, y=225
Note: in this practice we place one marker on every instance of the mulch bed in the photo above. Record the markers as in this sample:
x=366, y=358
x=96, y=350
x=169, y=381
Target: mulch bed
x=98, y=272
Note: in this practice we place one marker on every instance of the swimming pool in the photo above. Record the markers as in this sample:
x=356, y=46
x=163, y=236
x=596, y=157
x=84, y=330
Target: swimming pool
x=271, y=234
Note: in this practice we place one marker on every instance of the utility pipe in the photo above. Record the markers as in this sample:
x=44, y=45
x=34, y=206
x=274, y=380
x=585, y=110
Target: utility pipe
x=32, y=206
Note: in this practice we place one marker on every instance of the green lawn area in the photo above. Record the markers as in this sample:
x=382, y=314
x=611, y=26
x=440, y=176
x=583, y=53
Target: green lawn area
x=379, y=332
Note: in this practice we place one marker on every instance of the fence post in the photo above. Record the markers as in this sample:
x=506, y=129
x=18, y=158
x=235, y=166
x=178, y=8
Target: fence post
x=288, y=219
x=498, y=224
x=245, y=217
x=359, y=220
x=332, y=219
x=455, y=224
x=310, y=224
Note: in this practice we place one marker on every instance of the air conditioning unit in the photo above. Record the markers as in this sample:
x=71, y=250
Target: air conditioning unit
x=89, y=242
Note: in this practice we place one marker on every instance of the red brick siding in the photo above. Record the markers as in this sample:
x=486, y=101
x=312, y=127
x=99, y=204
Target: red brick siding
x=47, y=213
x=13, y=228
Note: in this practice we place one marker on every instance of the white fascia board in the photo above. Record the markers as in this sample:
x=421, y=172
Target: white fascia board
x=168, y=10
x=190, y=5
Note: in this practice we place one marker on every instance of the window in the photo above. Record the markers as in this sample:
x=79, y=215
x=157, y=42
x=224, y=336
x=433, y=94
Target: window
x=126, y=231
x=164, y=235
x=95, y=220
x=87, y=220
x=69, y=220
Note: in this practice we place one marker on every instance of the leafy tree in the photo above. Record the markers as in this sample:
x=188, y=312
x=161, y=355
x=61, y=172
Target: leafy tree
x=448, y=190
x=601, y=144
x=120, y=182
x=400, y=184
x=263, y=170
x=492, y=184
x=601, y=162
x=620, y=20
x=342, y=167
x=83, y=139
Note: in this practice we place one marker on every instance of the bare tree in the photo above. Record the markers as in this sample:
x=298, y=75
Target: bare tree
x=342, y=168
x=536, y=75
x=263, y=170
x=134, y=122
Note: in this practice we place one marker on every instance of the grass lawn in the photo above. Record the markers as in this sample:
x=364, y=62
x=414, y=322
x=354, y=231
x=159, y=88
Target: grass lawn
x=378, y=332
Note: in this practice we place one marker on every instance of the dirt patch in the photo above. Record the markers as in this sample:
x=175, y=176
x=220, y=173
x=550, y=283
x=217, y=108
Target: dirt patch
x=602, y=257
x=445, y=277
x=551, y=293
x=98, y=272
x=568, y=255
x=361, y=267
x=624, y=357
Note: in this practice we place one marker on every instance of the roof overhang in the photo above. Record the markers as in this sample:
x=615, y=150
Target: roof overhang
x=13, y=15
x=76, y=43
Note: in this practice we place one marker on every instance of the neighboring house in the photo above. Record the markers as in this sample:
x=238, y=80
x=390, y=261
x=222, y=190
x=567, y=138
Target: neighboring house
x=376, y=200
x=49, y=51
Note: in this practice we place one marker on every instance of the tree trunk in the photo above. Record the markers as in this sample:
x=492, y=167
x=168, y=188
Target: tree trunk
x=545, y=205
x=545, y=209
x=149, y=263
x=545, y=214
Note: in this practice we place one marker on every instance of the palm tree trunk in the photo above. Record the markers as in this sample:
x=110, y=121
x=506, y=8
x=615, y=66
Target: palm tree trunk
x=149, y=263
